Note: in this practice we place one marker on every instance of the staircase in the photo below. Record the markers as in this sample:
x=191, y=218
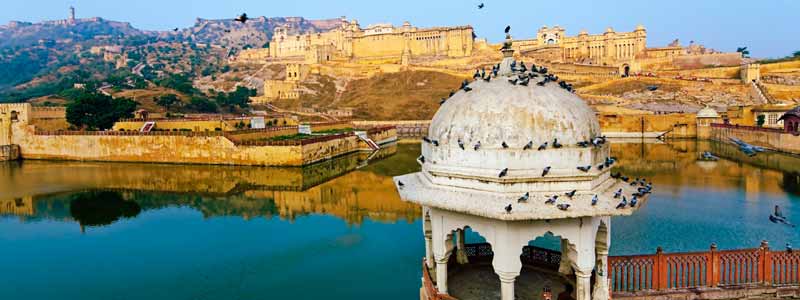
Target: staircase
x=364, y=137
x=148, y=126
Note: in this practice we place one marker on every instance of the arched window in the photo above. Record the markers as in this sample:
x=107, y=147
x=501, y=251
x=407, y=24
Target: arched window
x=14, y=116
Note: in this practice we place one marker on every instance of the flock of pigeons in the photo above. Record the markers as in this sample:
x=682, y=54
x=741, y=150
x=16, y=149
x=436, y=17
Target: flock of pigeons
x=644, y=187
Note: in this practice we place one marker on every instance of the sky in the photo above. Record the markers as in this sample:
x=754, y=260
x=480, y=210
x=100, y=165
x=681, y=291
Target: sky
x=769, y=28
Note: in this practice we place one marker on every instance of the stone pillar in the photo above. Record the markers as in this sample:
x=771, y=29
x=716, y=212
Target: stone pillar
x=428, y=232
x=506, y=262
x=565, y=267
x=461, y=255
x=441, y=274
x=601, y=276
x=507, y=285
x=583, y=279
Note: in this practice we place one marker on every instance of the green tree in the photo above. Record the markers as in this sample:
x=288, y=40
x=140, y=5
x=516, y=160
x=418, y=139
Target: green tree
x=760, y=120
x=95, y=111
x=202, y=104
x=166, y=101
x=796, y=54
x=239, y=98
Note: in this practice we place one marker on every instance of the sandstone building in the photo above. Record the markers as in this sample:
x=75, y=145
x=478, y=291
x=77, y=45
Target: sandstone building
x=381, y=41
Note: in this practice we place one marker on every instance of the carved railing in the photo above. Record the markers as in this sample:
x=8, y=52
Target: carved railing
x=750, y=128
x=729, y=268
x=531, y=255
x=431, y=293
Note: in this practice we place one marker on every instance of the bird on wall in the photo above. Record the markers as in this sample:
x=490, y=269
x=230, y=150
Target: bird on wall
x=508, y=208
x=461, y=144
x=524, y=198
x=400, y=184
x=545, y=171
x=242, y=18
x=556, y=144
x=477, y=146
x=422, y=159
x=542, y=146
x=623, y=204
x=571, y=193
x=585, y=168
x=503, y=173
x=528, y=146
x=551, y=200
x=505, y=146
x=563, y=206
x=594, y=200
x=634, y=200
x=618, y=194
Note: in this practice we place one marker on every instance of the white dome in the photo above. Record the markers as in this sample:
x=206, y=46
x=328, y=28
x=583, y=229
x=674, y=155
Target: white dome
x=707, y=112
x=497, y=112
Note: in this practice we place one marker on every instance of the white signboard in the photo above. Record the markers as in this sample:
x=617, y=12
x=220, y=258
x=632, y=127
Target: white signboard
x=257, y=123
x=304, y=129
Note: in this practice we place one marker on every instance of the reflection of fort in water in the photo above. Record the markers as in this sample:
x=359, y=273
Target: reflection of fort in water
x=342, y=187
x=42, y=189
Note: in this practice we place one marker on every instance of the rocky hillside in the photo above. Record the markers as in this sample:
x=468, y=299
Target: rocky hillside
x=255, y=33
x=21, y=34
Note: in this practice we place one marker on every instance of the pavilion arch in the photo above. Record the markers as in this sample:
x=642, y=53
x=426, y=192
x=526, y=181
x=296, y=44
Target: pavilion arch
x=14, y=116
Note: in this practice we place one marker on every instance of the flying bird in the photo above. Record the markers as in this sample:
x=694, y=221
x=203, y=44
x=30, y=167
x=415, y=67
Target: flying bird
x=175, y=29
x=480, y=6
x=508, y=29
x=242, y=18
x=524, y=198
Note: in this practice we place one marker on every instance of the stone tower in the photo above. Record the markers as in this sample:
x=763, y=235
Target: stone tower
x=71, y=15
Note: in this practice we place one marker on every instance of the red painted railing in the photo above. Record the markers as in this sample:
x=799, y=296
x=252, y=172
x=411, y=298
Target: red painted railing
x=431, y=293
x=713, y=268
x=750, y=128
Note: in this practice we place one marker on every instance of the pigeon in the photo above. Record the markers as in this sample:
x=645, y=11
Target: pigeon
x=551, y=200
x=541, y=83
x=512, y=81
x=524, y=198
x=461, y=144
x=426, y=139
x=242, y=18
x=422, y=159
x=583, y=144
x=585, y=168
x=618, y=194
x=594, y=200
x=563, y=206
x=616, y=175
x=600, y=167
x=528, y=146
x=556, y=144
x=435, y=143
x=477, y=146
x=508, y=29
x=480, y=6
x=524, y=82
x=505, y=146
x=543, y=146
x=571, y=194
x=227, y=30
x=487, y=78
x=175, y=29
x=634, y=200
x=467, y=89
x=400, y=184
x=508, y=209
x=503, y=173
x=625, y=178
x=545, y=171
x=451, y=94
x=622, y=204
x=477, y=74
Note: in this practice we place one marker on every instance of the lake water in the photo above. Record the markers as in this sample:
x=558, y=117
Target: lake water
x=337, y=230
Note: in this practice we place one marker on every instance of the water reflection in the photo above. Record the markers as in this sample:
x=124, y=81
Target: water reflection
x=98, y=208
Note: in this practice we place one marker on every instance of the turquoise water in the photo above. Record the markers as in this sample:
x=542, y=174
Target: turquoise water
x=333, y=231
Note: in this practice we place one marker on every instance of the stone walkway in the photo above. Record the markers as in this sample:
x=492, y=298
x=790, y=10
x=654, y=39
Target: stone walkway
x=480, y=282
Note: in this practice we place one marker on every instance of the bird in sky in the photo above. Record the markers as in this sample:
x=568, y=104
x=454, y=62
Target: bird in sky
x=481, y=6
x=175, y=29
x=508, y=29
x=242, y=18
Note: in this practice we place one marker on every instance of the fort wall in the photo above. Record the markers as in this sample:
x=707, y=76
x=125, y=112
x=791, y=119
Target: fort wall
x=775, y=139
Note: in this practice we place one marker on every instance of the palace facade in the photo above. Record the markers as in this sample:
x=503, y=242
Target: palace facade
x=610, y=48
x=350, y=41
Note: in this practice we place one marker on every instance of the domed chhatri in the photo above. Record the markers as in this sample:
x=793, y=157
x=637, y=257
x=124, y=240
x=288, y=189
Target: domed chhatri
x=499, y=126
x=515, y=155
x=707, y=112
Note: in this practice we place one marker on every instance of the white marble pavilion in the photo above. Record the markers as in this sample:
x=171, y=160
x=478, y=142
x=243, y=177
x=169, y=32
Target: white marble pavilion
x=460, y=187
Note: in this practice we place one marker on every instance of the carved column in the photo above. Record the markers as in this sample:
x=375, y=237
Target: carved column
x=583, y=279
x=441, y=267
x=428, y=232
x=565, y=267
x=601, y=278
x=461, y=255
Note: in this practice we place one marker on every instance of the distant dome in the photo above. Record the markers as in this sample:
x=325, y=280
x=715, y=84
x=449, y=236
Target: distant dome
x=497, y=112
x=609, y=30
x=707, y=112
x=639, y=27
x=583, y=32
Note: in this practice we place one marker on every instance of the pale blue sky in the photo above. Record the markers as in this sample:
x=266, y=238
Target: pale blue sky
x=769, y=27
